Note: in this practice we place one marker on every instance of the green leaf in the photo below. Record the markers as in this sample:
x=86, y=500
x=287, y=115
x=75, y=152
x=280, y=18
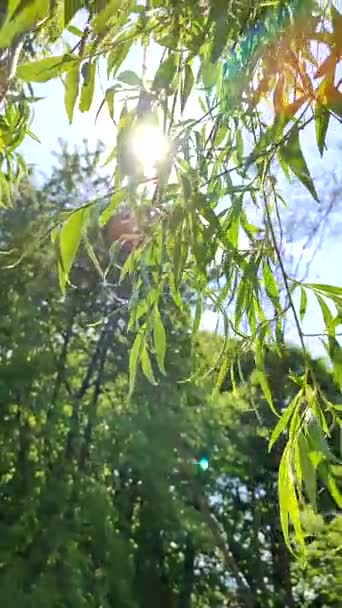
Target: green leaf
x=21, y=17
x=322, y=116
x=303, y=303
x=292, y=156
x=45, y=69
x=272, y=289
x=283, y=483
x=146, y=365
x=116, y=199
x=159, y=338
x=210, y=73
x=69, y=242
x=102, y=20
x=335, y=354
x=70, y=9
x=329, y=290
x=187, y=84
x=72, y=82
x=284, y=420
x=334, y=100
x=5, y=192
x=327, y=315
x=265, y=387
x=308, y=471
x=87, y=91
x=198, y=314
x=134, y=358
x=165, y=73
x=109, y=95
x=131, y=78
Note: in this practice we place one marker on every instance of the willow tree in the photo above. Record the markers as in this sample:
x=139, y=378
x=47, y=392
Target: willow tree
x=260, y=72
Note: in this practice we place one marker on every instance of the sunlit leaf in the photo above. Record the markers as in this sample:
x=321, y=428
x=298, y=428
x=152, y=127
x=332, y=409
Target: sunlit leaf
x=69, y=242
x=335, y=354
x=71, y=7
x=115, y=201
x=159, y=338
x=165, y=73
x=45, y=69
x=101, y=21
x=327, y=315
x=322, y=116
x=134, y=358
x=22, y=16
x=308, y=470
x=109, y=95
x=88, y=86
x=187, y=84
x=210, y=73
x=146, y=365
x=284, y=420
x=303, y=303
x=131, y=78
x=292, y=156
x=283, y=491
x=72, y=81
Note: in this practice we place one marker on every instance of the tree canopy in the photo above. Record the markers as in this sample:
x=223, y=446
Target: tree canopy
x=260, y=74
x=168, y=499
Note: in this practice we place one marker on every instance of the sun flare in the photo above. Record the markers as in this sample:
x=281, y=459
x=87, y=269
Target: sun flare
x=149, y=146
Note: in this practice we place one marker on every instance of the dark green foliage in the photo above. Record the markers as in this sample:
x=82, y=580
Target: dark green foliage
x=101, y=500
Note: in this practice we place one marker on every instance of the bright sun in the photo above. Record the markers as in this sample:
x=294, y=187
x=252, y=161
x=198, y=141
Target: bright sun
x=149, y=146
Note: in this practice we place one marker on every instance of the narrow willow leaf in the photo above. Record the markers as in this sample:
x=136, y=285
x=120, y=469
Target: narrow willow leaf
x=294, y=510
x=100, y=23
x=292, y=156
x=116, y=199
x=327, y=315
x=165, y=73
x=284, y=420
x=265, y=387
x=283, y=492
x=72, y=82
x=134, y=358
x=223, y=371
x=88, y=86
x=322, y=116
x=159, y=338
x=198, y=315
x=146, y=365
x=241, y=302
x=303, y=303
x=271, y=285
x=109, y=95
x=70, y=9
x=45, y=69
x=187, y=84
x=327, y=67
x=21, y=17
x=69, y=242
x=308, y=471
x=210, y=73
x=327, y=289
x=335, y=354
x=131, y=78
x=334, y=100
x=92, y=255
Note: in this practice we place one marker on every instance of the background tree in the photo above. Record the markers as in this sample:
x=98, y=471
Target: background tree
x=237, y=55
x=169, y=498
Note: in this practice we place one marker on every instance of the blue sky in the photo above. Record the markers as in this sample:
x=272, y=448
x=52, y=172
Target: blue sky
x=50, y=123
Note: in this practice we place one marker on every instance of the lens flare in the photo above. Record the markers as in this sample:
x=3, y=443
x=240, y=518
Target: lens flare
x=149, y=146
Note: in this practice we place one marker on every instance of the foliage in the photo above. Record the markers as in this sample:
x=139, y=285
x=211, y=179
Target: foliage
x=238, y=58
x=102, y=500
